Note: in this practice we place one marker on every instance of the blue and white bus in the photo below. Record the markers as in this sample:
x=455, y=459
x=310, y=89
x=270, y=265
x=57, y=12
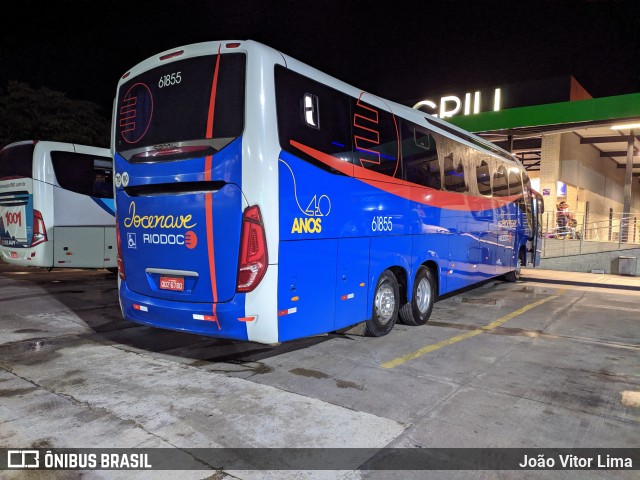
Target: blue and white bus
x=56, y=206
x=260, y=199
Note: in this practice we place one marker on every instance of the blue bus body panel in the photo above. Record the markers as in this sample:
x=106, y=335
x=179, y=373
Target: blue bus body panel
x=352, y=272
x=336, y=229
x=170, y=232
x=306, y=288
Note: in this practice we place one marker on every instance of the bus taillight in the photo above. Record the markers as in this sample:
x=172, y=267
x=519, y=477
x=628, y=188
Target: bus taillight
x=119, y=257
x=253, y=250
x=39, y=230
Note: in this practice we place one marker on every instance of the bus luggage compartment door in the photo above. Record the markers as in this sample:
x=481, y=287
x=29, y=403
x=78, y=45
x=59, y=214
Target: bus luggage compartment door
x=306, y=288
x=110, y=248
x=351, y=282
x=79, y=247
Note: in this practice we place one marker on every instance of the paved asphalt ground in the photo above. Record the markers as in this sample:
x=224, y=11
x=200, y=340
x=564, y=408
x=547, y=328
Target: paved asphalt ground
x=551, y=361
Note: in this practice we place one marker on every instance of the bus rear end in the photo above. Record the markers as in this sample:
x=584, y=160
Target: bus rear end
x=22, y=229
x=190, y=246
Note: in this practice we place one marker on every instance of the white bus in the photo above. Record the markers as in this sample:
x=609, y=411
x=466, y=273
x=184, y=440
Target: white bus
x=56, y=206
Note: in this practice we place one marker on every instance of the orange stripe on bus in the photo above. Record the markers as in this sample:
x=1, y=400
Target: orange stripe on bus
x=405, y=189
x=208, y=197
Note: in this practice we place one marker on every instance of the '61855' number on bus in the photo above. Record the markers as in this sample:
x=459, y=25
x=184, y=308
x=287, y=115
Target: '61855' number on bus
x=169, y=79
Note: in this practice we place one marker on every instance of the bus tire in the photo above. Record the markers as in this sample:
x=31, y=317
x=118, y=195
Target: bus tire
x=385, y=306
x=418, y=310
x=514, y=275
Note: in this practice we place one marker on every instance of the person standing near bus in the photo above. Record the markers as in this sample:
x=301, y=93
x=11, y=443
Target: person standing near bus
x=563, y=217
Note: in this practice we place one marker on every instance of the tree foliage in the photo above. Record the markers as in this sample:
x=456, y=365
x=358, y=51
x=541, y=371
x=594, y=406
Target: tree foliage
x=45, y=114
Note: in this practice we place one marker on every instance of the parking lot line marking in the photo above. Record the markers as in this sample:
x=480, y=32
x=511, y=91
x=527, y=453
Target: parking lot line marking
x=450, y=341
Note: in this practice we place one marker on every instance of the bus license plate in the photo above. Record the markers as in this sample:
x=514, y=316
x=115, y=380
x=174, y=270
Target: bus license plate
x=175, y=284
x=14, y=254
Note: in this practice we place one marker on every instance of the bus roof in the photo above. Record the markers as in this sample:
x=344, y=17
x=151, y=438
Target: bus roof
x=277, y=57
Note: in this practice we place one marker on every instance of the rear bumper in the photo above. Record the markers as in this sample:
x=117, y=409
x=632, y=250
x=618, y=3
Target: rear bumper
x=27, y=257
x=184, y=316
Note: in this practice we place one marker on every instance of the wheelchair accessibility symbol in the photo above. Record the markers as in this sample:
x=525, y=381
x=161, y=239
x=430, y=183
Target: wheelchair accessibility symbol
x=131, y=240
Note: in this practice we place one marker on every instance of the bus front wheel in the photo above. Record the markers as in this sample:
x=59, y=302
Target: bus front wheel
x=385, y=306
x=514, y=275
x=418, y=310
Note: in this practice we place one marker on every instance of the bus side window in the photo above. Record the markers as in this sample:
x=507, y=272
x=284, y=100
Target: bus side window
x=454, y=180
x=314, y=115
x=515, y=185
x=83, y=174
x=525, y=201
x=420, y=156
x=483, y=178
x=500, y=187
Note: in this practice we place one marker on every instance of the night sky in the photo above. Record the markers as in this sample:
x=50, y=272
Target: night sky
x=401, y=50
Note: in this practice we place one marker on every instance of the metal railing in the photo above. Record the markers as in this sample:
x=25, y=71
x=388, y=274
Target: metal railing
x=589, y=233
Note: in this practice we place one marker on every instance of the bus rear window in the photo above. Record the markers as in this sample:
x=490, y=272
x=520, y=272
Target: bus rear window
x=85, y=174
x=16, y=162
x=163, y=114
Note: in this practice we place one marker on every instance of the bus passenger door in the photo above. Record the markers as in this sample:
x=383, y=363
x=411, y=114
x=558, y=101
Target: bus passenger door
x=504, y=241
x=537, y=209
x=351, y=282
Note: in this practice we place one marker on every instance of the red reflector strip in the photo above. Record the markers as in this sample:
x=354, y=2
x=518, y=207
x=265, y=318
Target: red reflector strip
x=289, y=311
x=141, y=308
x=347, y=297
x=246, y=319
x=207, y=318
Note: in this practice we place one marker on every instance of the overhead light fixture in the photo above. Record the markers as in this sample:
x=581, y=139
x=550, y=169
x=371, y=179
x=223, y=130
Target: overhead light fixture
x=625, y=126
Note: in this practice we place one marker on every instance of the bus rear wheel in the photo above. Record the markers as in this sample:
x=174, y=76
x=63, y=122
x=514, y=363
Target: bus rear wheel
x=418, y=310
x=385, y=306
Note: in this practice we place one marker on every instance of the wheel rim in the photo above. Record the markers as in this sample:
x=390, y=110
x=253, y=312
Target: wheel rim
x=385, y=303
x=423, y=295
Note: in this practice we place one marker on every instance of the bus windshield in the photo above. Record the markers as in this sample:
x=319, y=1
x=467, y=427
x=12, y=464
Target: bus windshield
x=161, y=114
x=16, y=162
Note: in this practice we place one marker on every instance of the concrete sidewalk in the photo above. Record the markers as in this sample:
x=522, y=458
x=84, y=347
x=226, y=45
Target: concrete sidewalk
x=571, y=256
x=583, y=281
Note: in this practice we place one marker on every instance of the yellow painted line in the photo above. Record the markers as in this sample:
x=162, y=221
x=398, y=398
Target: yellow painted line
x=450, y=341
